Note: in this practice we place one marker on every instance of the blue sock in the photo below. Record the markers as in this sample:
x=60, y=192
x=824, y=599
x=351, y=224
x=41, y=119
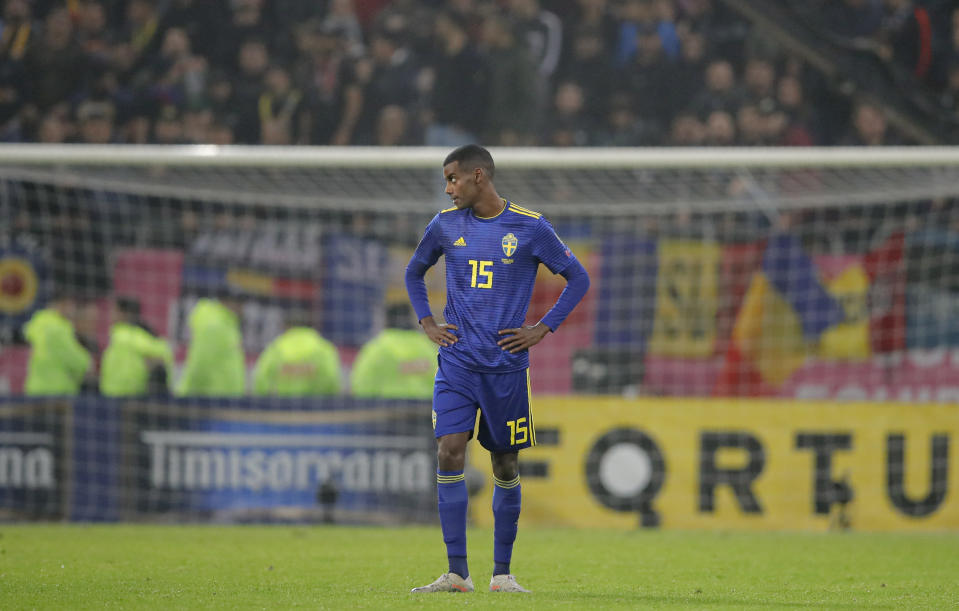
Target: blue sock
x=452, y=496
x=507, y=498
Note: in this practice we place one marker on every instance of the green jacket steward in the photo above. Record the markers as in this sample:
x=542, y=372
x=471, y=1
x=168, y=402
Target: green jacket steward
x=58, y=362
x=215, y=365
x=125, y=368
x=396, y=364
x=299, y=363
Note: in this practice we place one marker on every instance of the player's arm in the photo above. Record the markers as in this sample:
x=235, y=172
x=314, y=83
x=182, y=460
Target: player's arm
x=550, y=250
x=426, y=255
x=524, y=338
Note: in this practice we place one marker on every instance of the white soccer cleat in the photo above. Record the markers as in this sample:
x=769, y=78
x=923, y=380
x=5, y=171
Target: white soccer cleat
x=447, y=582
x=505, y=583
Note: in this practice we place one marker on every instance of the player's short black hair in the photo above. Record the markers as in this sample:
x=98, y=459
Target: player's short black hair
x=472, y=156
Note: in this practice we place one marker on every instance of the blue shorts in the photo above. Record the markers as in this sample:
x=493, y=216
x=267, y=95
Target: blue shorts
x=503, y=400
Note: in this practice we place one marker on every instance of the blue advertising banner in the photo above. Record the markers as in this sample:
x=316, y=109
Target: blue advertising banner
x=34, y=469
x=282, y=460
x=338, y=459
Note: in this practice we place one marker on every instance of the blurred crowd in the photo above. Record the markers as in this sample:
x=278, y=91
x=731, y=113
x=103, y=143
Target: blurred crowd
x=408, y=72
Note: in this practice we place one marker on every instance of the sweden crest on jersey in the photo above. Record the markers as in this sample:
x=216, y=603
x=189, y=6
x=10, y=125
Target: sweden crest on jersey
x=509, y=244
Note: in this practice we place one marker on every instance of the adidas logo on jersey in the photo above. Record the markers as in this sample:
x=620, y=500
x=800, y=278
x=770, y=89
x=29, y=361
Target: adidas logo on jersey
x=460, y=242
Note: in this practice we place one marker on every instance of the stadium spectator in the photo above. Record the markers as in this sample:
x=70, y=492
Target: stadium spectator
x=198, y=18
x=388, y=78
x=801, y=120
x=512, y=92
x=399, y=363
x=341, y=16
x=94, y=36
x=623, y=128
x=644, y=16
x=749, y=126
x=168, y=126
x=58, y=362
x=906, y=37
x=136, y=362
x=197, y=125
x=460, y=86
x=350, y=60
x=298, y=363
x=720, y=129
x=16, y=37
x=214, y=364
x=689, y=70
x=869, y=127
x=253, y=60
x=281, y=115
x=542, y=32
x=651, y=71
x=759, y=83
x=55, y=63
x=55, y=127
x=686, y=130
x=246, y=22
x=96, y=121
x=392, y=127
x=178, y=75
x=720, y=92
x=569, y=124
x=140, y=38
x=323, y=72
x=590, y=67
x=220, y=96
x=593, y=15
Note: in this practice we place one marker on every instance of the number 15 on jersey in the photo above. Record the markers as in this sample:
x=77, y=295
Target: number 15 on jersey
x=481, y=270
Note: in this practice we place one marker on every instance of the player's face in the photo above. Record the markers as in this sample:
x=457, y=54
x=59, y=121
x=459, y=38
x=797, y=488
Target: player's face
x=460, y=185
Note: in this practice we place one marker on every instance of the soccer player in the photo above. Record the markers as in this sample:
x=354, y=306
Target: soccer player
x=493, y=248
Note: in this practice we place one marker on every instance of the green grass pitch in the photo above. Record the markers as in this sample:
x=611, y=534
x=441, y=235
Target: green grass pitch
x=338, y=567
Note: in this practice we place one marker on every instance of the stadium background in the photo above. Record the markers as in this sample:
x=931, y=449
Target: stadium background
x=800, y=321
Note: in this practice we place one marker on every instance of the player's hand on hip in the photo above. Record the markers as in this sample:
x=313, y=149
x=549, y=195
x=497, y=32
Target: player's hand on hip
x=522, y=338
x=440, y=334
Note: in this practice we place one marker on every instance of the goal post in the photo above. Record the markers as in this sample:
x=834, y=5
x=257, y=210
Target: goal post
x=718, y=275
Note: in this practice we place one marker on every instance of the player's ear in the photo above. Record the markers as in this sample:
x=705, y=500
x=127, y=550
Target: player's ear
x=478, y=175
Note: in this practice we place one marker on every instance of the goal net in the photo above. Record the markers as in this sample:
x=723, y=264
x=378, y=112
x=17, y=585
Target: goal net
x=717, y=274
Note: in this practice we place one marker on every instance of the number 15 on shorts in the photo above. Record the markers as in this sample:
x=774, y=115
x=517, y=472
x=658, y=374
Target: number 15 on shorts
x=518, y=431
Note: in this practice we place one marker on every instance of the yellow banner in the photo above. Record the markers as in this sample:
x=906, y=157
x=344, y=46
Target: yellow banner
x=715, y=464
x=686, y=299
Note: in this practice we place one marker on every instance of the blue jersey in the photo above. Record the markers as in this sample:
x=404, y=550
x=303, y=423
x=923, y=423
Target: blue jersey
x=491, y=267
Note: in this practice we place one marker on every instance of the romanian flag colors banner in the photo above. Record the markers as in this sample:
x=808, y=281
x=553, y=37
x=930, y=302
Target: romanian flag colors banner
x=603, y=462
x=849, y=339
x=785, y=310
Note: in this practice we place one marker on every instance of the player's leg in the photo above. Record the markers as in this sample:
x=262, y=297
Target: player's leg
x=507, y=500
x=506, y=426
x=453, y=498
x=454, y=416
